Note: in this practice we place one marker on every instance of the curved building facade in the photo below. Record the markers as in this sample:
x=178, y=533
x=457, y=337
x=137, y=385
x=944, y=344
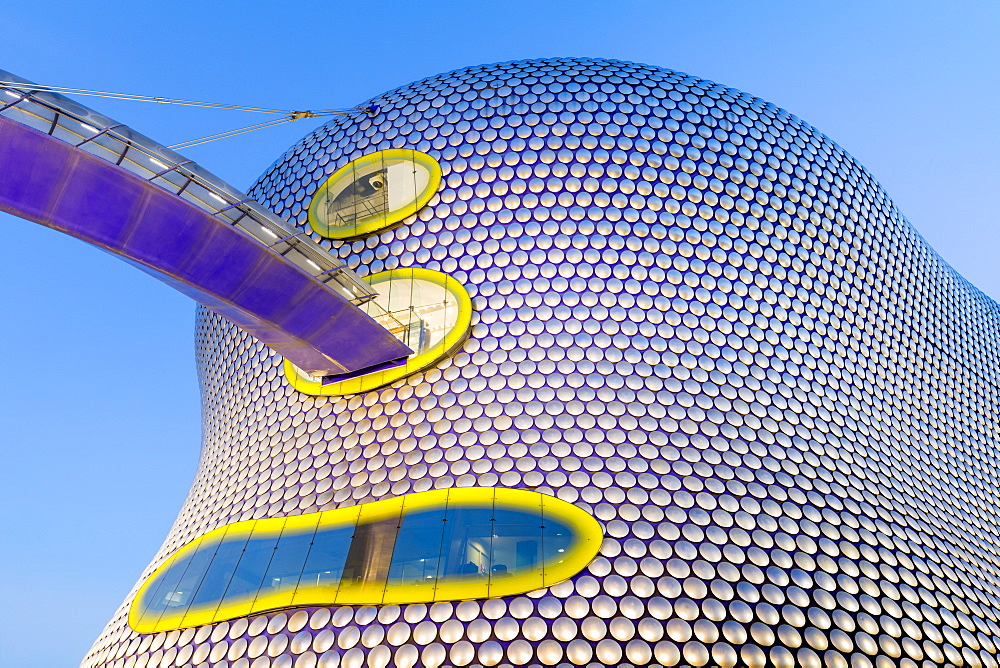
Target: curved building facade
x=691, y=317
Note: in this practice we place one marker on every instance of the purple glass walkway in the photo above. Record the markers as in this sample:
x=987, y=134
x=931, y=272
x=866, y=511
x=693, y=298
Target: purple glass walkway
x=208, y=257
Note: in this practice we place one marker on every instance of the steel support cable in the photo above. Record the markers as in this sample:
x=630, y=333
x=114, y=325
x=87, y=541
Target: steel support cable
x=288, y=114
x=166, y=100
x=231, y=133
x=295, y=116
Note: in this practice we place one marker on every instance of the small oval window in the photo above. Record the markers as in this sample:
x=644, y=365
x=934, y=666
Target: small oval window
x=374, y=192
x=443, y=545
x=427, y=310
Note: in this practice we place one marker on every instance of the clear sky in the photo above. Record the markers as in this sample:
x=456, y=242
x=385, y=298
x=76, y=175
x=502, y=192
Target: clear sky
x=99, y=402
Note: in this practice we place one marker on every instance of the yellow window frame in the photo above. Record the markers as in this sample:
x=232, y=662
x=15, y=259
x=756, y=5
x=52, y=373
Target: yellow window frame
x=586, y=531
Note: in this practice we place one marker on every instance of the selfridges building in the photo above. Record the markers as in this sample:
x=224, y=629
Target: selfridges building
x=687, y=390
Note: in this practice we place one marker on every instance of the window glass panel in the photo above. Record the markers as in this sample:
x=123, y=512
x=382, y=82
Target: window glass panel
x=219, y=573
x=364, y=197
x=178, y=599
x=373, y=192
x=327, y=555
x=160, y=596
x=249, y=574
x=517, y=542
x=288, y=559
x=465, y=552
x=418, y=548
x=418, y=312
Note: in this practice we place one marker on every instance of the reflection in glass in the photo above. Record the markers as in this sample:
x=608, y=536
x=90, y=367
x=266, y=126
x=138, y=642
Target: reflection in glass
x=454, y=543
x=557, y=541
x=517, y=542
x=463, y=543
x=371, y=552
x=287, y=563
x=325, y=564
x=180, y=594
x=163, y=595
x=465, y=550
x=250, y=572
x=220, y=572
x=418, y=548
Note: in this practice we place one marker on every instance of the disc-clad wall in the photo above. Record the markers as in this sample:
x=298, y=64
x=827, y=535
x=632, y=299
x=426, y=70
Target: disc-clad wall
x=695, y=318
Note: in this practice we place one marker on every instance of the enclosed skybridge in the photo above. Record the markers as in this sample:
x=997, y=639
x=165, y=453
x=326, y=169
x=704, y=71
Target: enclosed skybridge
x=66, y=167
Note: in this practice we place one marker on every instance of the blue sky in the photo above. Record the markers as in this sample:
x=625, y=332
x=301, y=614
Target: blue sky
x=99, y=404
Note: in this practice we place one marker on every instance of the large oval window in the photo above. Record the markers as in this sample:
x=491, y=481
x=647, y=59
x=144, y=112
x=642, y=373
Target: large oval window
x=427, y=310
x=374, y=192
x=443, y=545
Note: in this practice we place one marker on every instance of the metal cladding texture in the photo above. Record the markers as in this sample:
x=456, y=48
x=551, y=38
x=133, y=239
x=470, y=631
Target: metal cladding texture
x=698, y=319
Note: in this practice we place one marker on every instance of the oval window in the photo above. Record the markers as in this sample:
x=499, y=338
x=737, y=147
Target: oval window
x=374, y=192
x=428, y=311
x=443, y=545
